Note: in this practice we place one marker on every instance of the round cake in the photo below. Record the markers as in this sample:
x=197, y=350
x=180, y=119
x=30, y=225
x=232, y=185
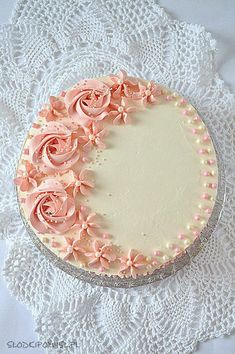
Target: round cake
x=118, y=176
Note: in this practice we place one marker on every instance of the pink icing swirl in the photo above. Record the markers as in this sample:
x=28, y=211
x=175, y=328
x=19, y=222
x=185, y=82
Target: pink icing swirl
x=88, y=101
x=51, y=209
x=55, y=149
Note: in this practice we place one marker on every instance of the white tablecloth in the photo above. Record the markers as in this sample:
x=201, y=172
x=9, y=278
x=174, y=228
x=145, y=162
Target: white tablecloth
x=16, y=323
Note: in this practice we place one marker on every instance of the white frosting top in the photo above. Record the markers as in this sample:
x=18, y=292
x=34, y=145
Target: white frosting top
x=148, y=179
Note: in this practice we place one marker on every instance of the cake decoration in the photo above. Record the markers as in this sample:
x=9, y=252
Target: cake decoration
x=72, y=249
x=101, y=255
x=122, y=85
x=50, y=208
x=28, y=178
x=55, y=148
x=54, y=110
x=121, y=112
x=132, y=263
x=93, y=136
x=88, y=101
x=58, y=190
x=86, y=224
x=79, y=183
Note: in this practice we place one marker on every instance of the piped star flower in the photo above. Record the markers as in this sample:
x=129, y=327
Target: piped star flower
x=29, y=178
x=150, y=92
x=86, y=224
x=81, y=183
x=93, y=136
x=121, y=112
x=54, y=111
x=101, y=256
x=132, y=263
x=72, y=249
x=122, y=85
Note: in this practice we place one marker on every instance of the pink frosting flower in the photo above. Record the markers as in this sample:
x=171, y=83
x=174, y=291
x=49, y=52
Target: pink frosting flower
x=29, y=178
x=88, y=101
x=93, y=136
x=101, y=255
x=50, y=208
x=123, y=85
x=86, y=224
x=72, y=249
x=55, y=110
x=121, y=112
x=80, y=183
x=132, y=263
x=150, y=92
x=55, y=149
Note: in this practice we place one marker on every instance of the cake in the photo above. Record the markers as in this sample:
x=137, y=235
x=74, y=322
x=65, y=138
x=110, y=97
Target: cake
x=118, y=176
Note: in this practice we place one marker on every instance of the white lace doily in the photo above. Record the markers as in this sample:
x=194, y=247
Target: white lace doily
x=48, y=47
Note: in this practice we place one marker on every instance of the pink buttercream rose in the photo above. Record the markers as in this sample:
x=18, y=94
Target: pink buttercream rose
x=88, y=101
x=55, y=149
x=50, y=208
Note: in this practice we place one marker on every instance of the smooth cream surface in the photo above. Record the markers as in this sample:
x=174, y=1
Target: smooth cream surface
x=148, y=180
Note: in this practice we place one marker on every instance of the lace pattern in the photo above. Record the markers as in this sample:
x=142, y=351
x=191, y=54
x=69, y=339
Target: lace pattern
x=50, y=45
